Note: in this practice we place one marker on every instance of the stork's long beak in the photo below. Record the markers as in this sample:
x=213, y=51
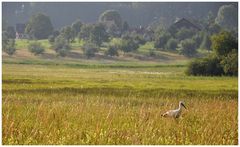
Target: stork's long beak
x=184, y=106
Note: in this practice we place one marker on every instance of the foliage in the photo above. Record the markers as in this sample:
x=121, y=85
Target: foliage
x=8, y=44
x=185, y=33
x=187, y=47
x=198, y=38
x=98, y=34
x=230, y=63
x=227, y=16
x=137, y=38
x=51, y=39
x=152, y=53
x=223, y=61
x=39, y=26
x=223, y=43
x=89, y=49
x=161, y=40
x=112, y=51
x=85, y=32
x=214, y=28
x=68, y=33
x=11, y=32
x=128, y=45
x=36, y=48
x=208, y=66
x=206, y=42
x=76, y=27
x=171, y=44
x=61, y=46
x=125, y=26
x=111, y=15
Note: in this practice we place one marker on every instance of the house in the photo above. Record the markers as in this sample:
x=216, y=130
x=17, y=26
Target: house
x=184, y=23
x=20, y=31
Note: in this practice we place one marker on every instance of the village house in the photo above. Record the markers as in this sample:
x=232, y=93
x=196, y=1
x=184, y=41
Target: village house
x=184, y=23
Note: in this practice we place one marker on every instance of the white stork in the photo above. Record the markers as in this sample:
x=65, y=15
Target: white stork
x=175, y=113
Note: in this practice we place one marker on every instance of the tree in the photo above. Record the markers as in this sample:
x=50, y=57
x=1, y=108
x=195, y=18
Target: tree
x=213, y=28
x=187, y=47
x=76, y=27
x=89, y=49
x=223, y=60
x=98, y=34
x=161, y=41
x=112, y=51
x=39, y=26
x=206, y=42
x=8, y=44
x=208, y=66
x=85, y=32
x=125, y=26
x=68, y=33
x=227, y=16
x=128, y=45
x=171, y=44
x=36, y=48
x=111, y=16
x=185, y=34
x=11, y=32
x=61, y=46
x=223, y=43
x=230, y=63
x=51, y=39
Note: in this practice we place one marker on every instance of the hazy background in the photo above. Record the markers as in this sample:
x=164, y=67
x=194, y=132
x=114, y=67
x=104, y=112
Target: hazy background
x=64, y=13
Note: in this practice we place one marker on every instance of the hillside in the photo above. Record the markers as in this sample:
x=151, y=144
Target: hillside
x=139, y=57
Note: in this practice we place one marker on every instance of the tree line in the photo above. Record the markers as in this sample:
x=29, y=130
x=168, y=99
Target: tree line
x=116, y=35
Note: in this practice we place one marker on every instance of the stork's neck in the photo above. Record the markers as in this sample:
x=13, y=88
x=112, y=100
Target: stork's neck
x=180, y=107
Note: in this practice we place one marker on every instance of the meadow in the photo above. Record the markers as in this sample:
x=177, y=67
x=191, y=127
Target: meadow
x=107, y=103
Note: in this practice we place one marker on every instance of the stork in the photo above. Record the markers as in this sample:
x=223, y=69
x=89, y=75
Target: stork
x=175, y=113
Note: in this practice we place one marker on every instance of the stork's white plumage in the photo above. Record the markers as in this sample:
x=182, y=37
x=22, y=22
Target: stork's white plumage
x=175, y=113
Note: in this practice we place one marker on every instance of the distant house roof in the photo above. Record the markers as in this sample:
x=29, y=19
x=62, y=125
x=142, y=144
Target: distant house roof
x=181, y=23
x=20, y=27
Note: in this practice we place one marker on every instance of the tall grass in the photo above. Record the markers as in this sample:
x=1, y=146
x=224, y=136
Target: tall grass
x=47, y=104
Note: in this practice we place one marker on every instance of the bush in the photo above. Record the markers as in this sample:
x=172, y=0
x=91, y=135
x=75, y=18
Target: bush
x=111, y=51
x=171, y=44
x=209, y=66
x=161, y=41
x=128, y=45
x=10, y=50
x=187, y=47
x=36, y=48
x=89, y=49
x=223, y=43
x=51, y=39
x=152, y=53
x=230, y=63
x=61, y=46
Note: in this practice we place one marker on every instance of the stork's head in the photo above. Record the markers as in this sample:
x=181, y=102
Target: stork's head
x=181, y=103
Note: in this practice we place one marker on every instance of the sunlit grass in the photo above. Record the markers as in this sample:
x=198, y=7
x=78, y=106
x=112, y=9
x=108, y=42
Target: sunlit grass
x=59, y=104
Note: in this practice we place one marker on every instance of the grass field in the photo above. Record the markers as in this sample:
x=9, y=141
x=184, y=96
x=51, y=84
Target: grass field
x=114, y=103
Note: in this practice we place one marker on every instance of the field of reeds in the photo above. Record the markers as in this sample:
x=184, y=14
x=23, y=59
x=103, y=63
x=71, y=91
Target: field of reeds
x=110, y=104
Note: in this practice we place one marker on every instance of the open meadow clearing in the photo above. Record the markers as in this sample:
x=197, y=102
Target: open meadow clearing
x=110, y=104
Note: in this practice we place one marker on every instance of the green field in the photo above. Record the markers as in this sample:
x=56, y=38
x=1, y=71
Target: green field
x=98, y=102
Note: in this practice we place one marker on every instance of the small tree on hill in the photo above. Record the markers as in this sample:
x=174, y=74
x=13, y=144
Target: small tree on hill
x=187, y=47
x=89, y=49
x=61, y=46
x=8, y=44
x=39, y=26
x=36, y=48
